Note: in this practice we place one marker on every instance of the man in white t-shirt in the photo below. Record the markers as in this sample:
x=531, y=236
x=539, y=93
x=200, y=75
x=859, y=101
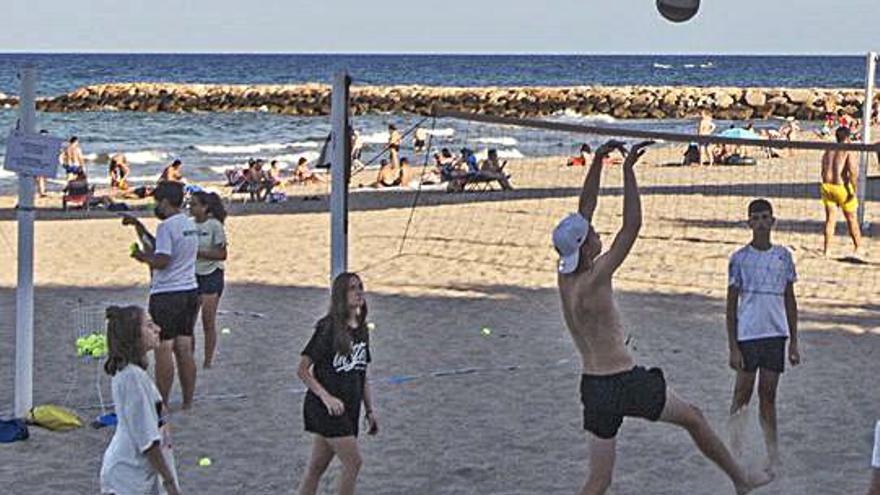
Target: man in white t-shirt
x=174, y=300
x=761, y=316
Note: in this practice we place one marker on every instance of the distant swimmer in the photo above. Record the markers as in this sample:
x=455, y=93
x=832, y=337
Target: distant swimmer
x=840, y=174
x=612, y=385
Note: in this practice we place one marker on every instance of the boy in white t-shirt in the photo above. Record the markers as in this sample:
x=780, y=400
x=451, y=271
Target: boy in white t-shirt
x=761, y=316
x=174, y=299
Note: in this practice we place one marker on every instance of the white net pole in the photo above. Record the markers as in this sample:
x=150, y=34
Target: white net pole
x=867, y=109
x=24, y=294
x=340, y=164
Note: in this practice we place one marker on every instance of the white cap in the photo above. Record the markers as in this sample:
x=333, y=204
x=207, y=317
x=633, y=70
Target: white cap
x=568, y=237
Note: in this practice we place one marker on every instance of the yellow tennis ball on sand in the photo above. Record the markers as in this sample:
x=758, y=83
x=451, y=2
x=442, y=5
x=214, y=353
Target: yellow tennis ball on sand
x=486, y=331
x=205, y=462
x=371, y=326
x=226, y=331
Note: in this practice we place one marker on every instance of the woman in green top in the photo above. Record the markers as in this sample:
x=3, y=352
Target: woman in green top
x=208, y=212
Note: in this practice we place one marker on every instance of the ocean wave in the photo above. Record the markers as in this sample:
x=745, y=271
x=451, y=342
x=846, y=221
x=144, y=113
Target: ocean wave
x=447, y=132
x=511, y=153
x=6, y=175
x=147, y=156
x=375, y=138
x=133, y=157
x=569, y=115
x=661, y=66
x=290, y=159
x=501, y=141
x=707, y=65
x=244, y=149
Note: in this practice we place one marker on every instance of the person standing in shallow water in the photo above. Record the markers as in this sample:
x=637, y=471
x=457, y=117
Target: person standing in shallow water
x=612, y=386
x=334, y=368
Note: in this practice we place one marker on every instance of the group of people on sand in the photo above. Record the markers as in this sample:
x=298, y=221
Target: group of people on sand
x=762, y=334
x=719, y=154
x=457, y=171
x=256, y=179
x=261, y=182
x=761, y=324
x=186, y=259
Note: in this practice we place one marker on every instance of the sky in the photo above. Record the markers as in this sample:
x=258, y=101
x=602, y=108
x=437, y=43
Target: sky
x=439, y=26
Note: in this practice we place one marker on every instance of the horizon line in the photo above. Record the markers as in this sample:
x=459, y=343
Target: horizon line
x=438, y=53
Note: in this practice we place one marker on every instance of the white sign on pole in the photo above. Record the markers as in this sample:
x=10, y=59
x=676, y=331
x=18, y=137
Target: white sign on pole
x=32, y=154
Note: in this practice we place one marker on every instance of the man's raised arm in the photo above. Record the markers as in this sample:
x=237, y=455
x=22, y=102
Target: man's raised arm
x=632, y=214
x=590, y=191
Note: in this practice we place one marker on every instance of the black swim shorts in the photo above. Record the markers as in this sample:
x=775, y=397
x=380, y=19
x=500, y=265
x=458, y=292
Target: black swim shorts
x=212, y=283
x=768, y=353
x=175, y=313
x=607, y=399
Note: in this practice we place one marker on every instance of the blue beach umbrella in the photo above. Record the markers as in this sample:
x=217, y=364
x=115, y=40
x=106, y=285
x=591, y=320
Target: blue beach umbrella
x=739, y=133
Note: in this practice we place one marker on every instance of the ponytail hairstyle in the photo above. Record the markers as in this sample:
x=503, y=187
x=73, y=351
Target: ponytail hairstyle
x=213, y=203
x=124, y=343
x=338, y=314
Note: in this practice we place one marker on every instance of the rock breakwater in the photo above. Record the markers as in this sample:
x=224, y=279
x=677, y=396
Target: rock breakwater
x=622, y=102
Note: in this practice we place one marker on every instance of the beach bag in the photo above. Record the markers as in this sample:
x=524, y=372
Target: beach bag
x=13, y=430
x=55, y=418
x=692, y=155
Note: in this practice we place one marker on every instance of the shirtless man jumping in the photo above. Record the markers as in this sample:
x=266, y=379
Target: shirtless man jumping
x=612, y=386
x=840, y=174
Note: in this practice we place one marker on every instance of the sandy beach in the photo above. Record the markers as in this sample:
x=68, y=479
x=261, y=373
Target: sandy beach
x=462, y=412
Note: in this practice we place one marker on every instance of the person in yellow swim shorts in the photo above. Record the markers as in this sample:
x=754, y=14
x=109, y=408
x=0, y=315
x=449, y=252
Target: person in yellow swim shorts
x=840, y=174
x=840, y=195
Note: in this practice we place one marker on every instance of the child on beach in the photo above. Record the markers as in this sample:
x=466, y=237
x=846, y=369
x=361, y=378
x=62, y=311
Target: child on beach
x=334, y=368
x=761, y=316
x=209, y=214
x=139, y=458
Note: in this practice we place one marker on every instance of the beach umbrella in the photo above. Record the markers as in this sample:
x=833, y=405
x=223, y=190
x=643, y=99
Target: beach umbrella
x=739, y=133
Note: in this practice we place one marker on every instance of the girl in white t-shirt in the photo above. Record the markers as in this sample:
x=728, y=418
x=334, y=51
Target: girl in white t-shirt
x=139, y=458
x=209, y=214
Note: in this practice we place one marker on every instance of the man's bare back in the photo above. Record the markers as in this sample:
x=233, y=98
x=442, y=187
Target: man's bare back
x=837, y=166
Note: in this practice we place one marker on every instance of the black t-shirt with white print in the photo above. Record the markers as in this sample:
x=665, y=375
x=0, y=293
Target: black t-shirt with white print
x=342, y=376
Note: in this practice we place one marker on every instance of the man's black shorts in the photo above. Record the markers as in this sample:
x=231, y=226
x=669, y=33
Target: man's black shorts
x=175, y=313
x=766, y=353
x=607, y=399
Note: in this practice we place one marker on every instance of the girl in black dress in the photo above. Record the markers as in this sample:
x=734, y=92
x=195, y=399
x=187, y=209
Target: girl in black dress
x=334, y=368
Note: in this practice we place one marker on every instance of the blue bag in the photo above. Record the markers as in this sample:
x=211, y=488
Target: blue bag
x=13, y=430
